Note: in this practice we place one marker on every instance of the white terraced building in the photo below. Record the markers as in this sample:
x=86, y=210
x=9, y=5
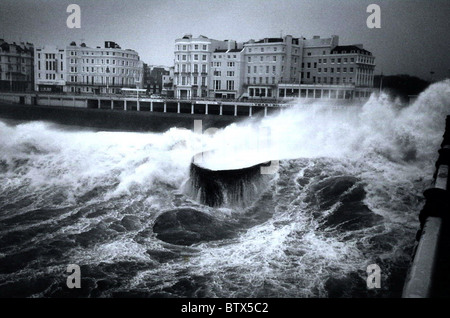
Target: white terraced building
x=272, y=68
x=81, y=69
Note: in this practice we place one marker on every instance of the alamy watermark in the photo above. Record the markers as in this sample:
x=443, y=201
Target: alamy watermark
x=74, y=279
x=374, y=19
x=374, y=276
x=74, y=19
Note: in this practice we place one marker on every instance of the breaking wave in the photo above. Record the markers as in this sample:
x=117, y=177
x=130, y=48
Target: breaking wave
x=346, y=194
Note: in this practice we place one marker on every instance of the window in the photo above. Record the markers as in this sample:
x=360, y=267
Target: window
x=249, y=50
x=184, y=57
x=332, y=60
x=324, y=60
x=339, y=60
x=351, y=69
x=274, y=68
x=275, y=49
x=319, y=70
x=255, y=69
x=249, y=69
x=204, y=47
x=230, y=73
x=308, y=74
x=230, y=64
x=195, y=57
x=261, y=58
x=230, y=85
x=309, y=53
x=217, y=84
x=196, y=47
x=267, y=69
x=274, y=58
x=203, y=57
x=315, y=64
x=249, y=58
x=203, y=68
x=309, y=65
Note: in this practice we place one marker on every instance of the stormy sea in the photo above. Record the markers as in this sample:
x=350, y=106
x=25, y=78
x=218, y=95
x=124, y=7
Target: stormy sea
x=346, y=193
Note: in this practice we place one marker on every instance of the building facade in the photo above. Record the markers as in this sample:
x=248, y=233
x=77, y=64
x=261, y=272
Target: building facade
x=192, y=65
x=227, y=68
x=50, y=69
x=167, y=84
x=272, y=68
x=153, y=78
x=271, y=61
x=81, y=69
x=16, y=66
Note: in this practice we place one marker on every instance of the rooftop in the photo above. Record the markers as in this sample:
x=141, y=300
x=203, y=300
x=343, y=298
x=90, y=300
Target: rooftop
x=347, y=49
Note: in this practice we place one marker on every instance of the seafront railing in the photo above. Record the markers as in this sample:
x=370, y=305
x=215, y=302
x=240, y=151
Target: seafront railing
x=424, y=274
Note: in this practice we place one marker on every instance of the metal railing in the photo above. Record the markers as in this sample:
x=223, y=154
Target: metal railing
x=421, y=278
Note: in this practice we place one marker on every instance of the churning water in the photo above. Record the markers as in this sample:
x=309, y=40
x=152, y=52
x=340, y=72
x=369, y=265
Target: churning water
x=346, y=194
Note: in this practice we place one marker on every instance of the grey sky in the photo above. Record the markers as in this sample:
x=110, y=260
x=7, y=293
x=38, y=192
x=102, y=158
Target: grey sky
x=413, y=38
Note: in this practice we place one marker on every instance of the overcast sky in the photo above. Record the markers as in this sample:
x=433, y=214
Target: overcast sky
x=413, y=38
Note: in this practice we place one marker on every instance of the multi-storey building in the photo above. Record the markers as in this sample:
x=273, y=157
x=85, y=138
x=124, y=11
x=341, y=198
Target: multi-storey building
x=81, y=69
x=192, y=65
x=227, y=67
x=102, y=70
x=271, y=68
x=329, y=70
x=153, y=78
x=50, y=69
x=271, y=61
x=16, y=66
x=167, y=83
